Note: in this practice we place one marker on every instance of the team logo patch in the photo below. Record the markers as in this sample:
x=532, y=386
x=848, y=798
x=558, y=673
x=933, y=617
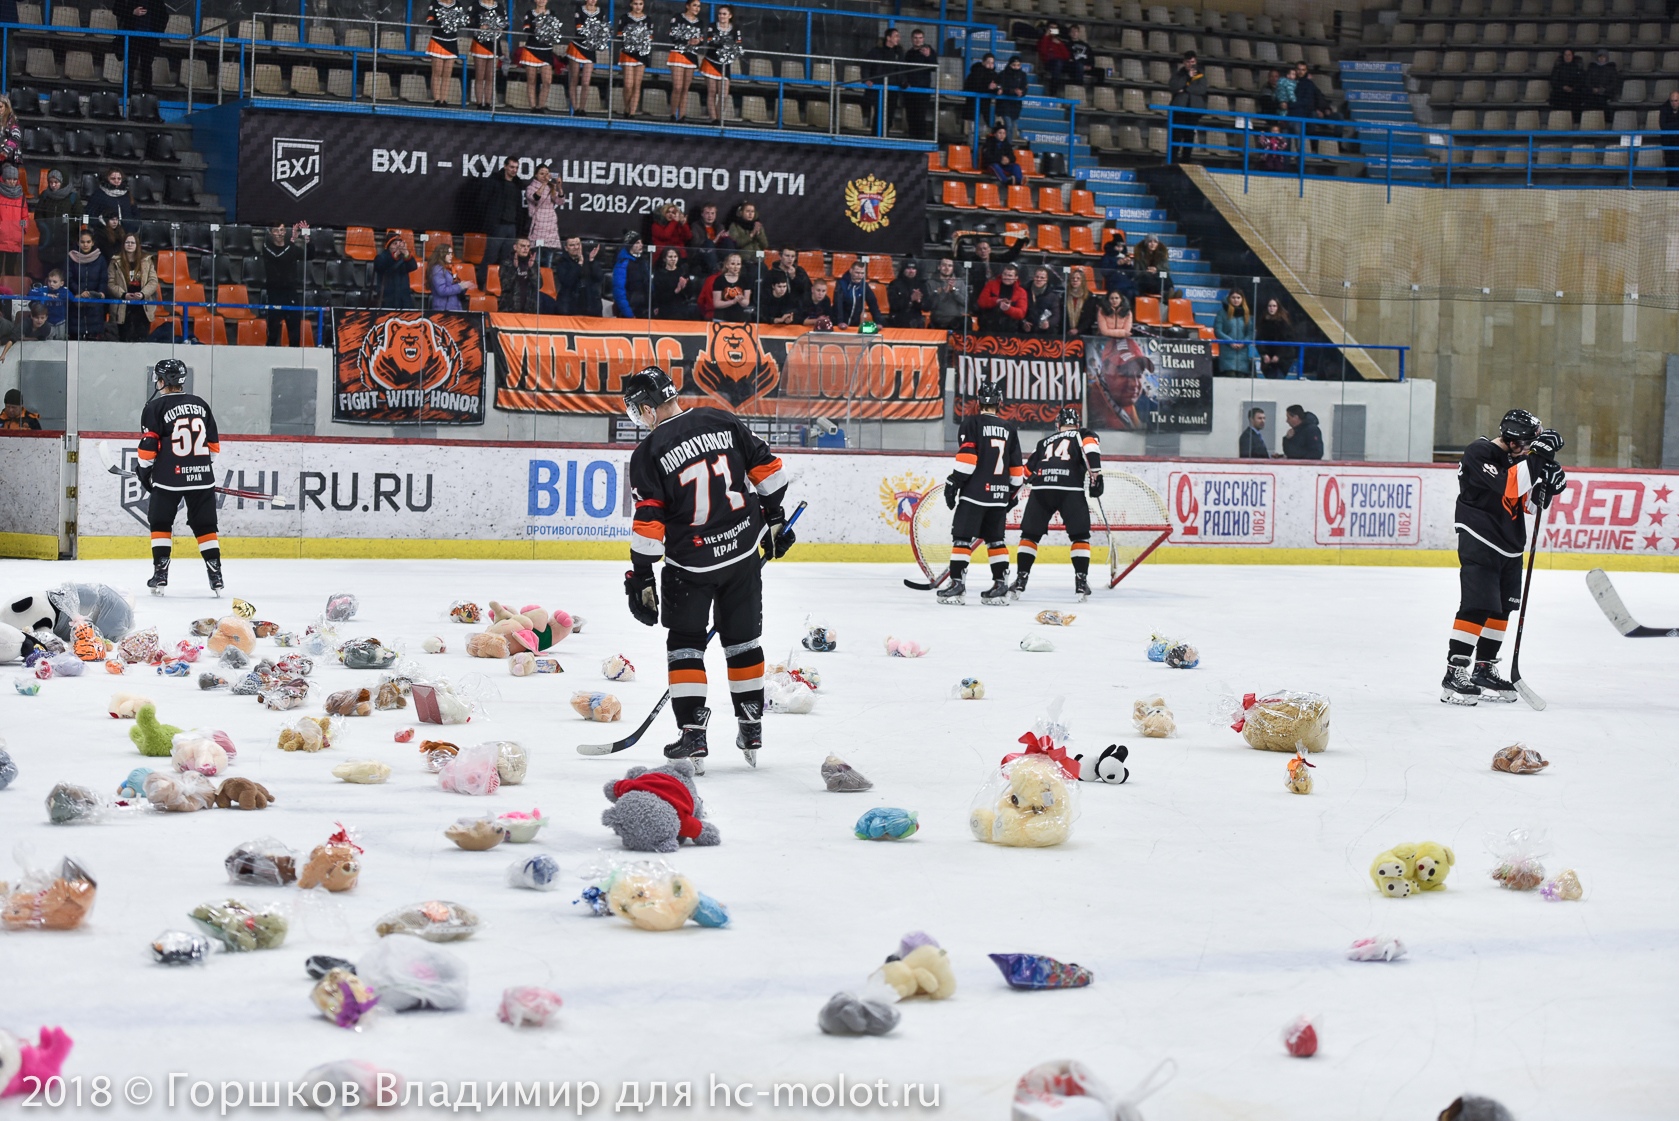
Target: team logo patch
x=899, y=496
x=136, y=503
x=409, y=353
x=868, y=201
x=297, y=165
x=734, y=367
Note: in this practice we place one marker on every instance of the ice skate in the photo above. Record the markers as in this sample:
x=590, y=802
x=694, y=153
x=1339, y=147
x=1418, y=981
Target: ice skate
x=213, y=569
x=160, y=577
x=995, y=596
x=1457, y=688
x=954, y=592
x=749, y=739
x=1081, y=586
x=691, y=744
x=1018, y=588
x=1492, y=687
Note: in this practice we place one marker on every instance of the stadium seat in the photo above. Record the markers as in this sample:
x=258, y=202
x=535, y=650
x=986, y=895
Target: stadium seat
x=284, y=338
x=1049, y=240
x=472, y=248
x=172, y=267
x=359, y=244
x=813, y=262
x=251, y=332
x=1020, y=198
x=879, y=291
x=467, y=273
x=435, y=238
x=234, y=294
x=960, y=159
x=548, y=288
x=1049, y=200
x=987, y=197
x=187, y=292
x=180, y=190
x=492, y=280
x=1180, y=313
x=1081, y=240
x=935, y=162
x=880, y=268
x=480, y=301
x=210, y=330
x=956, y=194
x=1147, y=309
x=1084, y=205
x=843, y=262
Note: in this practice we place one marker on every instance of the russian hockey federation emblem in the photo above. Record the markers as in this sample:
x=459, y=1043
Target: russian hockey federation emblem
x=868, y=201
x=297, y=165
x=409, y=353
x=899, y=496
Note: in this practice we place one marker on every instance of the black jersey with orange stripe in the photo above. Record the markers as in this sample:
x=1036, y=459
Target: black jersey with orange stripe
x=702, y=481
x=177, y=438
x=988, y=467
x=1492, y=497
x=1063, y=459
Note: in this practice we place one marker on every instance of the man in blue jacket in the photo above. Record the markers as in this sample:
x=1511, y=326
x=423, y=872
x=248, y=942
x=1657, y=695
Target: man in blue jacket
x=630, y=279
x=853, y=297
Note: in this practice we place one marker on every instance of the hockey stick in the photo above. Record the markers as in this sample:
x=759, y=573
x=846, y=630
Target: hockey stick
x=276, y=500
x=1610, y=600
x=1534, y=700
x=634, y=737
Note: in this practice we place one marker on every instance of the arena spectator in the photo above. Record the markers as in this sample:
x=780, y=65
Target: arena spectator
x=132, y=278
x=52, y=295
x=14, y=416
x=1003, y=303
x=853, y=298
x=108, y=236
x=113, y=199
x=747, y=232
x=989, y=261
x=798, y=280
x=577, y=279
x=1304, y=438
x=1603, y=84
x=673, y=289
x=1043, y=305
x=1275, y=327
x=818, y=310
x=14, y=216
x=947, y=298
x=1267, y=99
x=58, y=213
x=34, y=324
x=1234, y=328
x=705, y=238
x=781, y=306
x=1568, y=84
x=86, y=272
x=631, y=279
x=1668, y=121
x=1053, y=58
x=283, y=263
x=884, y=74
x=919, y=76
x=1118, y=267
x=1251, y=444
x=727, y=296
x=1273, y=146
x=1189, y=91
x=1284, y=92
x=1078, y=297
x=1078, y=47
x=501, y=204
x=983, y=80
x=671, y=230
x=391, y=271
x=723, y=52
x=996, y=155
x=521, y=279
x=1015, y=82
x=447, y=292
x=1154, y=267
x=906, y=297
x=139, y=50
x=1309, y=101
x=1112, y=316
x=11, y=134
x=542, y=203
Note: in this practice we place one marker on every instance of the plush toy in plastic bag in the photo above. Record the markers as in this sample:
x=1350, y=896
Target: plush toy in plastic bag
x=521, y=826
x=109, y=610
x=198, y=750
x=49, y=900
x=465, y=611
x=651, y=895
x=69, y=804
x=186, y=792
x=310, y=733
x=344, y=998
x=601, y=707
x=1379, y=947
x=539, y=873
x=362, y=771
x=1067, y=1090
x=180, y=947
x=239, y=927
x=886, y=823
x=849, y=1014
x=350, y=702
x=618, y=668
x=8, y=769
x=1151, y=717
x=1518, y=854
x=969, y=689
x=526, y=1006
x=783, y=694
x=905, y=647
x=1030, y=799
x=1278, y=721
x=283, y=694
x=477, y=834
x=819, y=636
x=265, y=862
x=342, y=607
x=409, y=974
x=1158, y=644
x=1299, y=775
x=435, y=920
x=842, y=778
x=1564, y=887
x=512, y=762
x=334, y=864
x=472, y=771
x=367, y=653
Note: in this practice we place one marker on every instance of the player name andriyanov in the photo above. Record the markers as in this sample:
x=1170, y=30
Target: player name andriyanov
x=408, y=399
x=694, y=446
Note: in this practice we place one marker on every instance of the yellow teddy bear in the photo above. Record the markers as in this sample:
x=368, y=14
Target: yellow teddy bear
x=1433, y=862
x=1034, y=810
x=924, y=971
x=1406, y=869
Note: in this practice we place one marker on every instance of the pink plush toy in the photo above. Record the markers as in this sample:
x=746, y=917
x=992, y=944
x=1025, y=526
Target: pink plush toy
x=532, y=628
x=24, y=1067
x=904, y=647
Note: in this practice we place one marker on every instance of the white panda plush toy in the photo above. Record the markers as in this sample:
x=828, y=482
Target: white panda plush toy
x=15, y=645
x=30, y=612
x=1106, y=767
x=55, y=610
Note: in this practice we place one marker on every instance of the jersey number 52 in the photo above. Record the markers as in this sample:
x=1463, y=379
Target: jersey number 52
x=186, y=438
x=698, y=475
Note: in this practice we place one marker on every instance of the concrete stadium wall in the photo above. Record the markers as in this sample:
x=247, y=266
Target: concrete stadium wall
x=30, y=494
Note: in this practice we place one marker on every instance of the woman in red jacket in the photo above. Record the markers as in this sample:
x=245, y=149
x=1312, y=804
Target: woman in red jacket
x=1053, y=57
x=14, y=214
x=671, y=231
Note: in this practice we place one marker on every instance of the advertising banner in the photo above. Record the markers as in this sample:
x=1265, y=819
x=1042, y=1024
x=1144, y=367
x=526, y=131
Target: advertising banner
x=1222, y=507
x=341, y=169
x=563, y=364
x=1150, y=384
x=403, y=367
x=1039, y=374
x=1368, y=510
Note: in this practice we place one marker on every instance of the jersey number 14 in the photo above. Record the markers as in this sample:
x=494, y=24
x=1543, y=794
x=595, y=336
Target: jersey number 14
x=698, y=475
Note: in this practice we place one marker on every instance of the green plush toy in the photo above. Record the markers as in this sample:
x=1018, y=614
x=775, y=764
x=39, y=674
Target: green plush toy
x=149, y=736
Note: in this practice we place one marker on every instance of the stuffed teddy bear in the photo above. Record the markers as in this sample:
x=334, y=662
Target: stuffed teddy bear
x=1034, y=809
x=151, y=737
x=656, y=810
x=532, y=628
x=1433, y=863
x=477, y=834
x=1151, y=717
x=332, y=865
x=244, y=794
x=487, y=645
x=651, y=898
x=196, y=751
x=187, y=792
x=924, y=971
x=1395, y=871
x=232, y=631
x=60, y=902
x=350, y=702
x=28, y=1067
x=307, y=733
x=123, y=706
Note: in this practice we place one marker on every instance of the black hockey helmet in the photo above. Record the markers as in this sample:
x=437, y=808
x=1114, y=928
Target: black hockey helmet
x=990, y=394
x=647, y=389
x=1068, y=417
x=1519, y=427
x=171, y=372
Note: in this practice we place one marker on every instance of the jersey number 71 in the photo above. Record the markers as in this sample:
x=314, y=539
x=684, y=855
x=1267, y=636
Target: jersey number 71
x=698, y=475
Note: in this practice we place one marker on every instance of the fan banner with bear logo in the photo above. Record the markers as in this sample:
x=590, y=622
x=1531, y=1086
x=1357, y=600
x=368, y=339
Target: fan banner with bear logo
x=571, y=364
x=396, y=367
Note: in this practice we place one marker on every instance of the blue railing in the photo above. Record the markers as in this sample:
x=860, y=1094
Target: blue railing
x=1418, y=155
x=1295, y=367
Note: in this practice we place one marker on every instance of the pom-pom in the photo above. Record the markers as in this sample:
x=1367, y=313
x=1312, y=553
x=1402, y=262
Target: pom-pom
x=904, y=647
x=601, y=707
x=1183, y=656
x=1301, y=1038
x=341, y=608
x=432, y=644
x=886, y=823
x=971, y=689
x=525, y=1006
x=618, y=668
x=841, y=777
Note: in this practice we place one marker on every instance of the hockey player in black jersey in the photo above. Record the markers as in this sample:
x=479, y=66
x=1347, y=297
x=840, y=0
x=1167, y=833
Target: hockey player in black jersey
x=178, y=437
x=1057, y=472
x=982, y=487
x=1498, y=479
x=707, y=495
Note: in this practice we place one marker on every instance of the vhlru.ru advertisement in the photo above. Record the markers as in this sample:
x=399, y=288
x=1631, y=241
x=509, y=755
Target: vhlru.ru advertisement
x=1222, y=507
x=1368, y=510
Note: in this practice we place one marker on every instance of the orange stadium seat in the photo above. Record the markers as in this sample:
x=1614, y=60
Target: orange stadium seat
x=492, y=280
x=407, y=237
x=1020, y=198
x=1049, y=200
x=843, y=263
x=359, y=245
x=880, y=268
x=1180, y=313
x=171, y=266
x=1147, y=309
x=960, y=159
x=480, y=301
x=1081, y=240
x=211, y=330
x=548, y=284
x=1049, y=240
x=473, y=247
x=814, y=263
x=1084, y=205
x=935, y=162
x=234, y=294
x=987, y=197
x=467, y=273
x=1028, y=163
x=252, y=332
x=956, y=194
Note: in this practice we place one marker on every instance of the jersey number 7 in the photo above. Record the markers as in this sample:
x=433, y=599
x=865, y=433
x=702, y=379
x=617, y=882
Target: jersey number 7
x=186, y=438
x=698, y=475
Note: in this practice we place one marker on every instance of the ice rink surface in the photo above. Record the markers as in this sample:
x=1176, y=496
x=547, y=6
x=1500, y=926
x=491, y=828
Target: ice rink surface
x=1212, y=905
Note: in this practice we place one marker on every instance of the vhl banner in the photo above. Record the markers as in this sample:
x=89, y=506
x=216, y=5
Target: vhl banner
x=342, y=169
x=1039, y=374
x=567, y=364
x=398, y=367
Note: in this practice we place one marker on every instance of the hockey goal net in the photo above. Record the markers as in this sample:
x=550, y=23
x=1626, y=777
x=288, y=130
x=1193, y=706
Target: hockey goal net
x=1129, y=519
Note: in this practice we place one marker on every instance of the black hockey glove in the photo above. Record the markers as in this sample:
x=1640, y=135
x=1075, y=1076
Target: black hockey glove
x=144, y=474
x=643, y=596
x=1545, y=446
x=780, y=538
x=952, y=491
x=1014, y=498
x=1097, y=486
x=1552, y=480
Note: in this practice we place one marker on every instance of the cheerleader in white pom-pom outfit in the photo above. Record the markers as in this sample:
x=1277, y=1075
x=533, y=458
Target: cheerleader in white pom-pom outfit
x=723, y=52
x=687, y=35
x=489, y=41
x=447, y=20
x=544, y=39
x=635, y=46
x=591, y=33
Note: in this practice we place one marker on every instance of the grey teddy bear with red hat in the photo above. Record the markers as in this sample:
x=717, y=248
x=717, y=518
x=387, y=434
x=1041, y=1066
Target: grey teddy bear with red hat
x=656, y=810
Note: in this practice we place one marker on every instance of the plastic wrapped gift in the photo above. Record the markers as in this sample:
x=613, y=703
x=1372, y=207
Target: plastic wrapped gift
x=1280, y=721
x=362, y=771
x=1518, y=856
x=849, y=1014
x=264, y=861
x=477, y=834
x=410, y=975
x=341, y=607
x=521, y=826
x=1036, y=971
x=526, y=1006
x=1151, y=717
x=343, y=997
x=650, y=894
x=886, y=823
x=43, y=900
x=473, y=771
x=187, y=792
x=69, y=804
x=240, y=927
x=512, y=762
x=539, y=873
x=435, y=920
x=180, y=947
x=1030, y=799
x=601, y=707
